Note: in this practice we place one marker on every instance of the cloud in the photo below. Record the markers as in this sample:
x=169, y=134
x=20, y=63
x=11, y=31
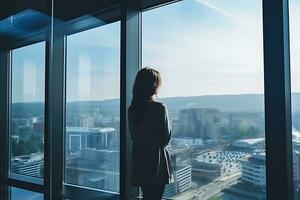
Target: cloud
x=219, y=10
x=248, y=21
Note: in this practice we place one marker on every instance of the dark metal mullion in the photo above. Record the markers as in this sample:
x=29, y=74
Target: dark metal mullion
x=83, y=193
x=33, y=39
x=153, y=4
x=279, y=162
x=47, y=175
x=55, y=109
x=25, y=185
x=4, y=119
x=111, y=15
x=130, y=64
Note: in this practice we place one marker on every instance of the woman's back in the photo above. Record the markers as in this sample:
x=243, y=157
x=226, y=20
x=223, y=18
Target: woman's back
x=150, y=134
x=150, y=125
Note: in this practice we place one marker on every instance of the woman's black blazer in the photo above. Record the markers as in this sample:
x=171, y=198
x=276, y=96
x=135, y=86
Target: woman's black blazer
x=151, y=163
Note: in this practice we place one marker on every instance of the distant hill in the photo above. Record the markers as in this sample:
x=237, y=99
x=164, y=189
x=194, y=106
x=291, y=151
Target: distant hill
x=225, y=103
x=105, y=107
x=27, y=110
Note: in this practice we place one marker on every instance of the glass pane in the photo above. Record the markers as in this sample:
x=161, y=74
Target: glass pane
x=210, y=56
x=295, y=85
x=92, y=139
x=27, y=111
x=17, y=194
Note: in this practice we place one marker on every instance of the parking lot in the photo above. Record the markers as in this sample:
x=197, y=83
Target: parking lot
x=231, y=161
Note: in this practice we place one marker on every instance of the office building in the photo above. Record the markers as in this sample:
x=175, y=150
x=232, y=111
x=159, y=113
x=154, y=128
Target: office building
x=80, y=138
x=198, y=123
x=205, y=170
x=28, y=165
x=254, y=170
x=182, y=171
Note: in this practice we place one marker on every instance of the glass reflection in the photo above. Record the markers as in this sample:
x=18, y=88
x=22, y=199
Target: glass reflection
x=92, y=110
x=27, y=111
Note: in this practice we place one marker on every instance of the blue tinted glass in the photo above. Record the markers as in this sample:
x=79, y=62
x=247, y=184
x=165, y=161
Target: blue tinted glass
x=92, y=140
x=210, y=56
x=295, y=85
x=27, y=110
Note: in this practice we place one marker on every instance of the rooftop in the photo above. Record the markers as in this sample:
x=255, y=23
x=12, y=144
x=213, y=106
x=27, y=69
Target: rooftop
x=248, y=142
x=258, y=159
x=90, y=130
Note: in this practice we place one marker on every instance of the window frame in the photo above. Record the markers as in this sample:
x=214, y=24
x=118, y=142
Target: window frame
x=57, y=68
x=33, y=181
x=13, y=180
x=77, y=191
x=277, y=102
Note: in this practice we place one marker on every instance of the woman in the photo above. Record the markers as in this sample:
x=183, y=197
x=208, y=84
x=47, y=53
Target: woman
x=150, y=133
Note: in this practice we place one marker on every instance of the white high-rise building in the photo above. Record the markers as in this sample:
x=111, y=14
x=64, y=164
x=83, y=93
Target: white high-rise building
x=87, y=121
x=296, y=165
x=80, y=138
x=28, y=165
x=254, y=169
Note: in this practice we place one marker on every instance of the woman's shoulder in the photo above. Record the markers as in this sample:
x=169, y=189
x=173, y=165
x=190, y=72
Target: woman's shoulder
x=159, y=105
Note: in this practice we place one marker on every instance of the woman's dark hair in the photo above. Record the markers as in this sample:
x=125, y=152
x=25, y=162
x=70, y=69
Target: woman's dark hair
x=146, y=83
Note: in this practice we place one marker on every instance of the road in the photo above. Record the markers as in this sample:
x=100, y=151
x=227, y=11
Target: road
x=209, y=190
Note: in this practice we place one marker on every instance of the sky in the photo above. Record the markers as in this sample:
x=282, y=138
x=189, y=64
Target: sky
x=201, y=47
x=93, y=64
x=294, y=19
x=206, y=47
x=28, y=73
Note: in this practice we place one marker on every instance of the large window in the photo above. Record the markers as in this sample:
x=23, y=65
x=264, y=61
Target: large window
x=295, y=85
x=92, y=137
x=27, y=111
x=66, y=75
x=210, y=55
